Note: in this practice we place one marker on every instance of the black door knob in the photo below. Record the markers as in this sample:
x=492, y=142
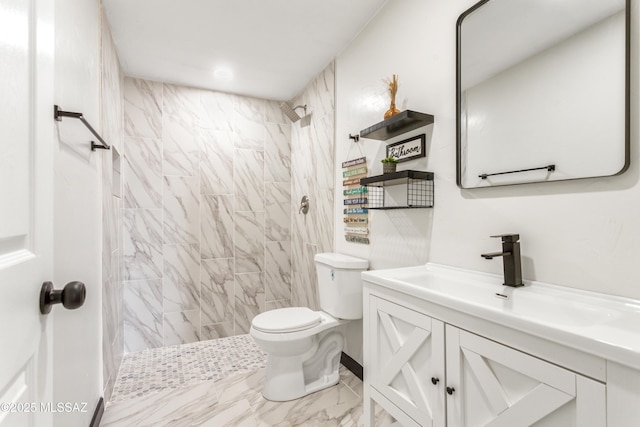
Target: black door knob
x=435, y=380
x=450, y=390
x=71, y=296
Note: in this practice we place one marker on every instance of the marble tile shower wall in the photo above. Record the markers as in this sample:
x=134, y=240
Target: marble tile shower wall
x=112, y=287
x=312, y=154
x=207, y=213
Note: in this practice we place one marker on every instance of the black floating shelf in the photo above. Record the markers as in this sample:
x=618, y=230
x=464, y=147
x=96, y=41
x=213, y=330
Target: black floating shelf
x=397, y=125
x=395, y=178
x=419, y=189
x=388, y=208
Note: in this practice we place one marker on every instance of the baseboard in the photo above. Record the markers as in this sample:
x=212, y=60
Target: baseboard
x=97, y=414
x=351, y=365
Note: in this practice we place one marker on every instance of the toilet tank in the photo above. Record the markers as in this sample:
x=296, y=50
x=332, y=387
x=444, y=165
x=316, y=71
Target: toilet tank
x=340, y=284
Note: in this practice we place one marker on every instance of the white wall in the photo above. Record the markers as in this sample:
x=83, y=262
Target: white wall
x=77, y=210
x=581, y=234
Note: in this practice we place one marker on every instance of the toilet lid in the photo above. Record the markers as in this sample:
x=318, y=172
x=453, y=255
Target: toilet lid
x=282, y=320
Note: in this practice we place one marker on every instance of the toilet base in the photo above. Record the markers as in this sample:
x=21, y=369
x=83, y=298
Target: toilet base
x=324, y=382
x=289, y=378
x=273, y=390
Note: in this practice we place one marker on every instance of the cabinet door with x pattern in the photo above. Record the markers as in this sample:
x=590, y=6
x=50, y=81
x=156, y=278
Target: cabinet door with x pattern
x=407, y=362
x=493, y=385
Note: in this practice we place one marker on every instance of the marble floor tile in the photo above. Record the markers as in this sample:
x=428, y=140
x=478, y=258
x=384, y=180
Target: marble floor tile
x=246, y=385
x=351, y=381
x=333, y=406
x=186, y=406
x=236, y=413
x=335, y=401
x=218, y=383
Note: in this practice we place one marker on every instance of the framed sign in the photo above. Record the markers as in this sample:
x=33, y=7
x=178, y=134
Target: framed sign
x=408, y=149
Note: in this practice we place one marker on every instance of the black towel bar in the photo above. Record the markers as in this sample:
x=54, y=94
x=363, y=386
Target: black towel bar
x=549, y=168
x=58, y=114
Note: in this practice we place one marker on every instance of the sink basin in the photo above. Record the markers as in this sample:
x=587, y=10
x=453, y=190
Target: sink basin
x=604, y=325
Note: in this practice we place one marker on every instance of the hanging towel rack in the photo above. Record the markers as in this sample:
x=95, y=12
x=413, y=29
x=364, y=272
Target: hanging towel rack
x=549, y=168
x=58, y=114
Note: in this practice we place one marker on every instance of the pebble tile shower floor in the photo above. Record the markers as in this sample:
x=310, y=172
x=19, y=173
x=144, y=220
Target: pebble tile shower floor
x=164, y=368
x=218, y=383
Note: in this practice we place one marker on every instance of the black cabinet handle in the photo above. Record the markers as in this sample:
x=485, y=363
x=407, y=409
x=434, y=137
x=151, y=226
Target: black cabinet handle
x=435, y=380
x=71, y=296
x=450, y=390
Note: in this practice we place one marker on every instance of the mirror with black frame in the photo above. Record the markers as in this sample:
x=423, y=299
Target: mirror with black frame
x=542, y=91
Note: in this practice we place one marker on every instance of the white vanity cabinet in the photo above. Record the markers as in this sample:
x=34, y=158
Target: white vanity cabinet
x=484, y=383
x=444, y=346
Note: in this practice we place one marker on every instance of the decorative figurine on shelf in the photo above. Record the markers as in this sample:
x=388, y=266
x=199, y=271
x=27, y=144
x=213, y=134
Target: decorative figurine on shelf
x=389, y=164
x=393, y=89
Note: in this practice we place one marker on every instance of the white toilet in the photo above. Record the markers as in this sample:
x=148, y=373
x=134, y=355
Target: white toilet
x=304, y=346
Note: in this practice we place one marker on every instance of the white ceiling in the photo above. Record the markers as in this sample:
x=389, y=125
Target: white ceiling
x=273, y=47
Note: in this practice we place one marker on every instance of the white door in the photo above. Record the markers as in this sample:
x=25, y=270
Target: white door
x=491, y=385
x=26, y=205
x=407, y=363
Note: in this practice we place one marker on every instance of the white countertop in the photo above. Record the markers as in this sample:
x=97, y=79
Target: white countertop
x=603, y=325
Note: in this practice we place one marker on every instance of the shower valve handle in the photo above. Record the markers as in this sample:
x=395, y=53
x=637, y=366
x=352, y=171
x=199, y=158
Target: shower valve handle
x=304, y=205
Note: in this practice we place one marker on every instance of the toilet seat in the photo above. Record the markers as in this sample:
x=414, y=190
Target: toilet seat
x=284, y=320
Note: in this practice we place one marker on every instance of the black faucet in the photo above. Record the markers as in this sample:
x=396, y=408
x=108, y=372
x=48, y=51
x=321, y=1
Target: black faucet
x=511, y=259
